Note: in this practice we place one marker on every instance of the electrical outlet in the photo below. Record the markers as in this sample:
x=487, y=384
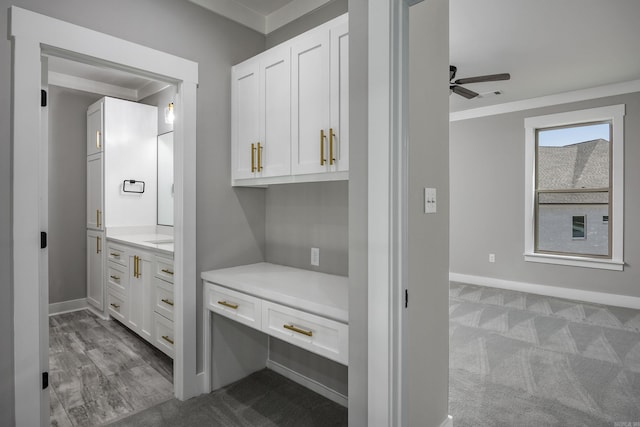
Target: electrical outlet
x=430, y=200
x=315, y=256
x=492, y=257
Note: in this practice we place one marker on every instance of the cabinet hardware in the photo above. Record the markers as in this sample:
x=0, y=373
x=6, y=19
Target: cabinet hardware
x=331, y=136
x=98, y=244
x=298, y=330
x=167, y=339
x=228, y=304
x=260, y=157
x=98, y=139
x=115, y=254
x=167, y=301
x=115, y=277
x=322, y=137
x=167, y=271
x=136, y=266
x=253, y=158
x=98, y=218
x=116, y=306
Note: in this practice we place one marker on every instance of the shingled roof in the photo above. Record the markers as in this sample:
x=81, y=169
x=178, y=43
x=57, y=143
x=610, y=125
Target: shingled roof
x=581, y=165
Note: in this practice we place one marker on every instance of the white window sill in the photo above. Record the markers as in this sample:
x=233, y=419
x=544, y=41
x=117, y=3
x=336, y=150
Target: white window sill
x=574, y=261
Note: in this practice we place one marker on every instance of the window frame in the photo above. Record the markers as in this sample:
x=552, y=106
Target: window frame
x=614, y=114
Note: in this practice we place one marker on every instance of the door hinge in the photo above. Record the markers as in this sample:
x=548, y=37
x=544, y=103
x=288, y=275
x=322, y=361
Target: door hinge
x=43, y=239
x=43, y=98
x=45, y=380
x=406, y=298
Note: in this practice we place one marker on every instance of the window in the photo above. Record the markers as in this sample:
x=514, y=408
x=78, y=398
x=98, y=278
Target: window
x=574, y=170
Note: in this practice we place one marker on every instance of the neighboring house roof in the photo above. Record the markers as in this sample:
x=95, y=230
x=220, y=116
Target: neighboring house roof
x=581, y=166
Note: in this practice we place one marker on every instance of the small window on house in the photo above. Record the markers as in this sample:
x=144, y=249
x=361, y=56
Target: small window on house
x=578, y=226
x=575, y=170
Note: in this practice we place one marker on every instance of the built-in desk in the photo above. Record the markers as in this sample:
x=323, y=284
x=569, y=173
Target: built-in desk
x=304, y=308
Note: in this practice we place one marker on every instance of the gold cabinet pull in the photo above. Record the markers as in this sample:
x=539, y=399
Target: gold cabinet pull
x=167, y=271
x=97, y=218
x=228, y=304
x=331, y=136
x=136, y=266
x=298, y=330
x=97, y=244
x=115, y=254
x=167, y=301
x=98, y=139
x=260, y=157
x=322, y=137
x=253, y=158
x=115, y=277
x=116, y=306
x=167, y=339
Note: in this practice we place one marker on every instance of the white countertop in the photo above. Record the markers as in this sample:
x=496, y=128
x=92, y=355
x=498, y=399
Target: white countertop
x=325, y=295
x=161, y=243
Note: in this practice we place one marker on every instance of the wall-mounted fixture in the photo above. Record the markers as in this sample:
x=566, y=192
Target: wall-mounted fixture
x=169, y=117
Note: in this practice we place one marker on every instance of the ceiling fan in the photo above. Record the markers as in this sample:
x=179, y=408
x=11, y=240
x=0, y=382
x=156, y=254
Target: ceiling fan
x=454, y=85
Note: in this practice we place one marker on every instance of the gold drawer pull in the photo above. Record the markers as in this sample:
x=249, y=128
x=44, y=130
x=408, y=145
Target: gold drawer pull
x=167, y=301
x=114, y=254
x=298, y=330
x=322, y=137
x=253, y=158
x=332, y=159
x=116, y=306
x=115, y=277
x=227, y=304
x=167, y=271
x=167, y=339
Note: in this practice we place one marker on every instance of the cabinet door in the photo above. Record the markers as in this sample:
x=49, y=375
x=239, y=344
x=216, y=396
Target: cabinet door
x=275, y=113
x=95, y=136
x=245, y=118
x=95, y=269
x=95, y=204
x=310, y=102
x=339, y=141
x=140, y=317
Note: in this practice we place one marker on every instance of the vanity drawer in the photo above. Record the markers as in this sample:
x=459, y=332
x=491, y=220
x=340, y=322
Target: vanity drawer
x=234, y=305
x=316, y=334
x=163, y=335
x=118, y=277
x=117, y=255
x=117, y=306
x=164, y=269
x=163, y=298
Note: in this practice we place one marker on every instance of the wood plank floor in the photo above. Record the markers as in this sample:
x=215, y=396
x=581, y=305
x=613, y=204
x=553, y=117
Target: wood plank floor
x=100, y=371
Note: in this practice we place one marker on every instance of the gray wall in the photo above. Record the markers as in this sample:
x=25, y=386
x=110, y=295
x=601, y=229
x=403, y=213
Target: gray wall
x=319, y=16
x=68, y=193
x=487, y=202
x=230, y=222
x=427, y=330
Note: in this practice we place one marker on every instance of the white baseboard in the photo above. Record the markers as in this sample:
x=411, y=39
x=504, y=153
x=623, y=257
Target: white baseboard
x=202, y=383
x=67, y=306
x=313, y=385
x=550, y=291
x=448, y=422
x=97, y=313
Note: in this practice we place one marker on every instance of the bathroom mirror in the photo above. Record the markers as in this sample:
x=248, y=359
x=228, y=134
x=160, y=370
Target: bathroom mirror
x=165, y=179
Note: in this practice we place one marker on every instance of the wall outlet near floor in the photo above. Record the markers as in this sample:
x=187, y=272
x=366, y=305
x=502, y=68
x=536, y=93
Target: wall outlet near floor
x=315, y=256
x=492, y=257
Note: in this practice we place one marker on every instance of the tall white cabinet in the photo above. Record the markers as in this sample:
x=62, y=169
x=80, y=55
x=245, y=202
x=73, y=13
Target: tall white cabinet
x=290, y=108
x=121, y=146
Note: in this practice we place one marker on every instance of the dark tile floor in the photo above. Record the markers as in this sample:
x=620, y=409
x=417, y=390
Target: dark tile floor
x=100, y=371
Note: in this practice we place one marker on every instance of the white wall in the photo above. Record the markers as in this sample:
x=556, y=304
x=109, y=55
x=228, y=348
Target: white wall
x=487, y=202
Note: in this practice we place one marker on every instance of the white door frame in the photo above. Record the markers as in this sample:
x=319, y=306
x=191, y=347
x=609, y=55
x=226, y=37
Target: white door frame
x=30, y=34
x=388, y=27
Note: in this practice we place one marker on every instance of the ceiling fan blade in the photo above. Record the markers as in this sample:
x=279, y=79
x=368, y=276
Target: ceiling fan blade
x=464, y=92
x=479, y=79
x=452, y=72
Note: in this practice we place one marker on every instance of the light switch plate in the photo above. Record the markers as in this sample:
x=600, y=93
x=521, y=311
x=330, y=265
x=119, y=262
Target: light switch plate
x=315, y=256
x=430, y=200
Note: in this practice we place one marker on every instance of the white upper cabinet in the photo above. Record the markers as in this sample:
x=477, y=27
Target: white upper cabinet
x=290, y=110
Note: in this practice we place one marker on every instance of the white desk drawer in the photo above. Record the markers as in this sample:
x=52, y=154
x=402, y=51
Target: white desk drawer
x=117, y=306
x=163, y=335
x=117, y=255
x=118, y=277
x=163, y=298
x=164, y=269
x=317, y=334
x=234, y=305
